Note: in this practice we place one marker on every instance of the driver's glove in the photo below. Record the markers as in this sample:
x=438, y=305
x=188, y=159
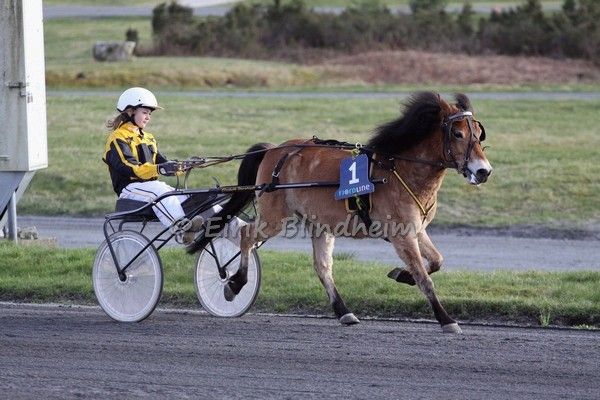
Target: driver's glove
x=168, y=168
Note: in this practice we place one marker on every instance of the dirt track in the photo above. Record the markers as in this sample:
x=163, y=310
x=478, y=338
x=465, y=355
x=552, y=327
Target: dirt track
x=49, y=352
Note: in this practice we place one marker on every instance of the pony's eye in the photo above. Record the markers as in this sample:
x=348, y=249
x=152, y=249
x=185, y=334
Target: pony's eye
x=457, y=134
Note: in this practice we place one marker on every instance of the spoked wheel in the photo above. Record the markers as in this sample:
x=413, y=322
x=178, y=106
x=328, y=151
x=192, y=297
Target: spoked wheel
x=210, y=284
x=133, y=296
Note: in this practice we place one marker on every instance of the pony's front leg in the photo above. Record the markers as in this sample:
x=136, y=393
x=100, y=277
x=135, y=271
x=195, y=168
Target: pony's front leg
x=323, y=263
x=408, y=250
x=429, y=252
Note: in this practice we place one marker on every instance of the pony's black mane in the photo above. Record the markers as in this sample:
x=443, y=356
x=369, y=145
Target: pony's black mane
x=422, y=116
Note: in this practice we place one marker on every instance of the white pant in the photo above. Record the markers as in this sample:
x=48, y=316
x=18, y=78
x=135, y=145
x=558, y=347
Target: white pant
x=167, y=210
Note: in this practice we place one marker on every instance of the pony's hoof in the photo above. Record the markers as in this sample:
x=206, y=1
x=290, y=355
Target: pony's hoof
x=349, y=319
x=401, y=275
x=228, y=293
x=451, y=328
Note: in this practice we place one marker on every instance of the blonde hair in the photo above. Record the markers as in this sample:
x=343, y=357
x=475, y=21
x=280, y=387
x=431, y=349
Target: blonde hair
x=118, y=120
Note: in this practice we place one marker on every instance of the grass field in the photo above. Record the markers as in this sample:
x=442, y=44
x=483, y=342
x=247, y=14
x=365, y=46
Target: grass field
x=543, y=153
x=69, y=62
x=40, y=274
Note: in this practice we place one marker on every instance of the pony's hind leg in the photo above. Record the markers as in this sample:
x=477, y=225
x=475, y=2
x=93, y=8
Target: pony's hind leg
x=323, y=263
x=429, y=252
x=408, y=250
x=250, y=235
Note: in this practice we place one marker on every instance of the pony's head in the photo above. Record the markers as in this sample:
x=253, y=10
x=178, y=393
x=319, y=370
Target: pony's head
x=462, y=137
x=455, y=133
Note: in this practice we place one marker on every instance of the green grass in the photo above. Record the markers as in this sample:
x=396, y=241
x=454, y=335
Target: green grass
x=544, y=154
x=42, y=274
x=70, y=40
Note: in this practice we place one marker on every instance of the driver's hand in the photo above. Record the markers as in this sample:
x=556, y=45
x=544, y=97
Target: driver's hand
x=169, y=168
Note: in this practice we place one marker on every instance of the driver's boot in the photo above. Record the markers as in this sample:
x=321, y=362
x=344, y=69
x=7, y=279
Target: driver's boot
x=194, y=227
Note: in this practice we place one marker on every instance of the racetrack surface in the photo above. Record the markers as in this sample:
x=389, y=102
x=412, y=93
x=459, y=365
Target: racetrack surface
x=57, y=352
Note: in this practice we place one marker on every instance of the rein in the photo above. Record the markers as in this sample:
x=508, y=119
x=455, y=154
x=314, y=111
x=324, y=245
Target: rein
x=449, y=160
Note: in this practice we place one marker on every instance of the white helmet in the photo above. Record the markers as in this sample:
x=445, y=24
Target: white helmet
x=135, y=97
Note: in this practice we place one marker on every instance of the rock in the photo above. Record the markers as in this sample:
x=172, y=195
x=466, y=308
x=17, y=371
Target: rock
x=113, y=51
x=29, y=233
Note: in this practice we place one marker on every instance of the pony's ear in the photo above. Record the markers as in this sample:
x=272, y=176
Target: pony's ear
x=482, y=137
x=463, y=102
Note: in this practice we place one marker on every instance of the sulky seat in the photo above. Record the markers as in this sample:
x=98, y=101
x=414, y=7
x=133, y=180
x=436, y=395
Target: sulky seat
x=124, y=205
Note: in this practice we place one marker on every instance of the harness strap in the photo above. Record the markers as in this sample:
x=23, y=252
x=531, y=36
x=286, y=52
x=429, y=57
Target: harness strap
x=276, y=171
x=424, y=211
x=272, y=186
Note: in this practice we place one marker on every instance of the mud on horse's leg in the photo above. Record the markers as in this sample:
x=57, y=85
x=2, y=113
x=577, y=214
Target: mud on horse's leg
x=408, y=250
x=323, y=263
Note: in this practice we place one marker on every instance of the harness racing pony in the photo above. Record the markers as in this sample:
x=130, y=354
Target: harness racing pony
x=412, y=154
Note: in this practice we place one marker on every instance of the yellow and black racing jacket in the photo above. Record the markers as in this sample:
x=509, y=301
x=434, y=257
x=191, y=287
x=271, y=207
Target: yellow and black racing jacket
x=131, y=155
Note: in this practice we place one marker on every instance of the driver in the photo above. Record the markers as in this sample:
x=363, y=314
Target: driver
x=134, y=162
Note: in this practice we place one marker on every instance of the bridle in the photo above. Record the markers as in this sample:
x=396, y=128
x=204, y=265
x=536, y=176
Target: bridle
x=449, y=160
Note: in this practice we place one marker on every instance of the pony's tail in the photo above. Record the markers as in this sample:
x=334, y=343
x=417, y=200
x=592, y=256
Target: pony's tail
x=239, y=200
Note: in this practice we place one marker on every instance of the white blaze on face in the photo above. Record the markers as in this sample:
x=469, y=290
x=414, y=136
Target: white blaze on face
x=475, y=165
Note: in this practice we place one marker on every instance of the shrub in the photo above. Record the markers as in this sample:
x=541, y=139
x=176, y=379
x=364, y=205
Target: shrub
x=580, y=29
x=173, y=28
x=523, y=30
x=290, y=27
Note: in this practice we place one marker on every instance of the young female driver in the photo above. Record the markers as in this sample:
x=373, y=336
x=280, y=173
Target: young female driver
x=134, y=162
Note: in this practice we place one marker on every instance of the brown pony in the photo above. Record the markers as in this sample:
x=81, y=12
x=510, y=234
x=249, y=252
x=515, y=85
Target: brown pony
x=411, y=153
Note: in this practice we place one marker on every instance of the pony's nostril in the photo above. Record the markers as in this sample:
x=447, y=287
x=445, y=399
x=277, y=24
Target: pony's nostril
x=483, y=173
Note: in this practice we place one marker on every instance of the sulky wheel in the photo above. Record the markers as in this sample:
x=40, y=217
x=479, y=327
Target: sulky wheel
x=132, y=296
x=209, y=282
